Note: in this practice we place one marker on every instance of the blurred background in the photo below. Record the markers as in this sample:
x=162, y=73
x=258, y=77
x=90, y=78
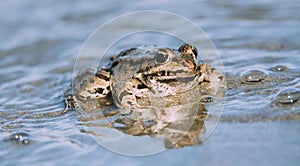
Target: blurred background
x=39, y=42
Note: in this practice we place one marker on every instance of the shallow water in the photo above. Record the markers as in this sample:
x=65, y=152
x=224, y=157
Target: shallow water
x=39, y=43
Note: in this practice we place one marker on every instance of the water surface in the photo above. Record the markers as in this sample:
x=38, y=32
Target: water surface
x=39, y=43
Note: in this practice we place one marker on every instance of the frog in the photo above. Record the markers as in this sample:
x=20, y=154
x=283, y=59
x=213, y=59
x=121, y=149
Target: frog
x=137, y=74
x=150, y=87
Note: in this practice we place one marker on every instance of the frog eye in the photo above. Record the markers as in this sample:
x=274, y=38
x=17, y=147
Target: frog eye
x=162, y=56
x=188, y=51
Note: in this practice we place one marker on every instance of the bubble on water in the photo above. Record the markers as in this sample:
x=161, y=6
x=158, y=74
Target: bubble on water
x=288, y=95
x=253, y=76
x=279, y=68
x=20, y=138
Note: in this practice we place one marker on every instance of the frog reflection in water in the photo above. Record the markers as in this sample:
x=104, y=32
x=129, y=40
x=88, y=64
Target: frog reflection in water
x=160, y=92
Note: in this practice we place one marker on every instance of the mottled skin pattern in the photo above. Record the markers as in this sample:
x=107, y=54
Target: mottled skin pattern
x=141, y=73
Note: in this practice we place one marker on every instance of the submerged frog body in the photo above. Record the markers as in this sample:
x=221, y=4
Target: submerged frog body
x=160, y=85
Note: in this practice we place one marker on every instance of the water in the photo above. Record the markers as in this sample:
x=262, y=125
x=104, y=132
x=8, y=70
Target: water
x=39, y=43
